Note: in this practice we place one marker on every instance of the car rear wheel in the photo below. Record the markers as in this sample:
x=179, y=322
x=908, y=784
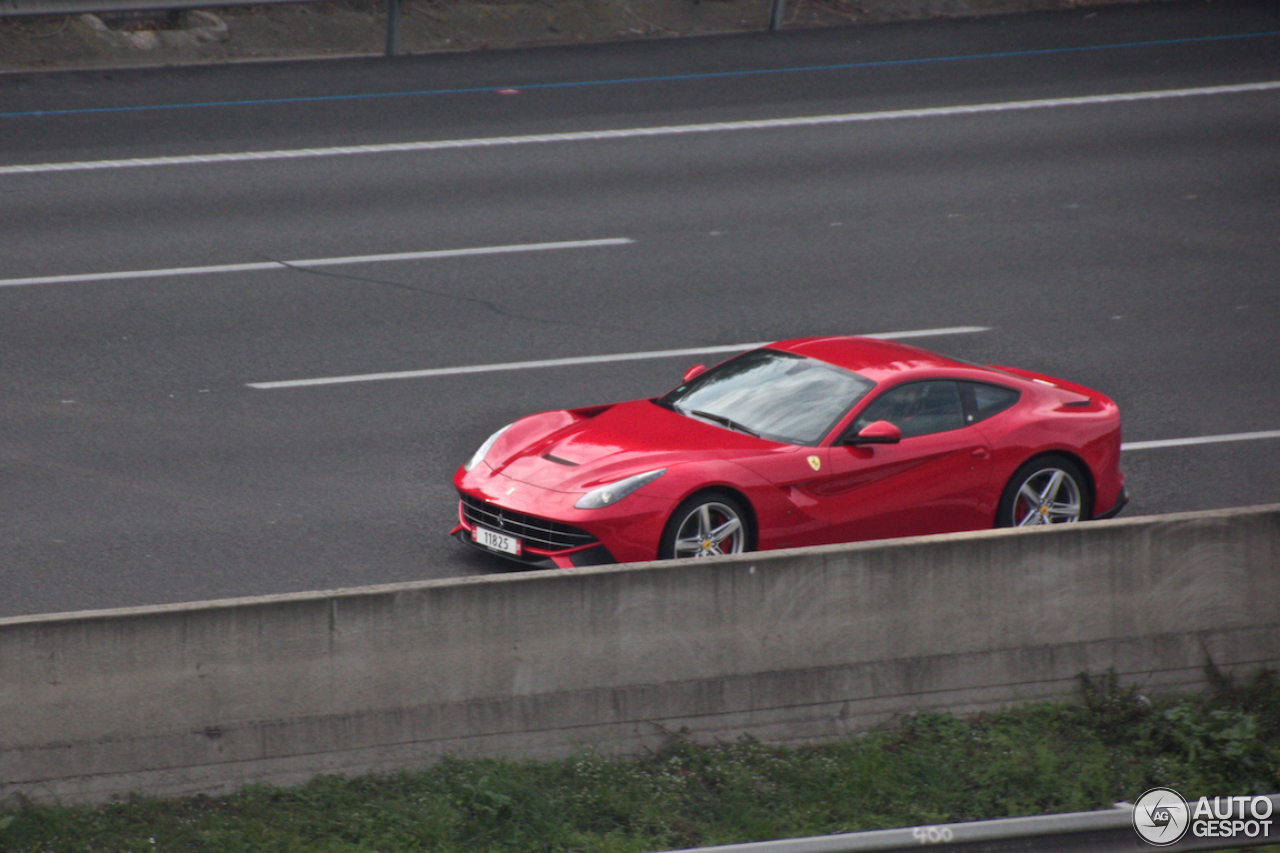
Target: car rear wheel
x=1046, y=490
x=706, y=525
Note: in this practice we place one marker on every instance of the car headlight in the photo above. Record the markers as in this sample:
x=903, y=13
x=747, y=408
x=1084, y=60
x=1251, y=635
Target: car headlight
x=611, y=493
x=479, y=455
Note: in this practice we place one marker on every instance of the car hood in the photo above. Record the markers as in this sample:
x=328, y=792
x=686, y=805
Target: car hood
x=625, y=439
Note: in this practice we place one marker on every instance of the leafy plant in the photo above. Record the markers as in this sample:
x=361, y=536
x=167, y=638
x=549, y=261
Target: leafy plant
x=922, y=769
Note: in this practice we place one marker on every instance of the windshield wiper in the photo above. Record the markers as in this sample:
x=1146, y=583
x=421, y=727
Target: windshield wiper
x=723, y=421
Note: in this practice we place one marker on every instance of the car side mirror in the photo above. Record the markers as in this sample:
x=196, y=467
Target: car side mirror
x=696, y=370
x=877, y=432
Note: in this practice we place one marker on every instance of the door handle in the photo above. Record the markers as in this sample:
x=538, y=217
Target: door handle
x=981, y=453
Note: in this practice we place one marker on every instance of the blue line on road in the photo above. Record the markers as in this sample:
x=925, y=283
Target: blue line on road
x=656, y=79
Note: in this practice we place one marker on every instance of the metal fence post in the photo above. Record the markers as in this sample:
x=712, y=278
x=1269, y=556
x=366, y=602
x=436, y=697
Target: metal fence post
x=393, y=27
x=775, y=15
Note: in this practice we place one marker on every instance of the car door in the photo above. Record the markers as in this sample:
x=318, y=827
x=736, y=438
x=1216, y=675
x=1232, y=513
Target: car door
x=931, y=481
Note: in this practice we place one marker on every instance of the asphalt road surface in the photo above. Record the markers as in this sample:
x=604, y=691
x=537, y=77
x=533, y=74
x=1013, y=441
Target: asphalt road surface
x=982, y=173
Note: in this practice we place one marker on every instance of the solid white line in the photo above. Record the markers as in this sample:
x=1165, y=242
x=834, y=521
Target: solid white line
x=314, y=262
x=576, y=360
x=1203, y=439
x=630, y=133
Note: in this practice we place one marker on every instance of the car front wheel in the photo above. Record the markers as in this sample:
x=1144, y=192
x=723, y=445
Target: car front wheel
x=706, y=525
x=1046, y=490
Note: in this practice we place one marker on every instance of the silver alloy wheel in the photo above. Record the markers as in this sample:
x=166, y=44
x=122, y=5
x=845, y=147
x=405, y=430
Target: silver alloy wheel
x=1048, y=496
x=711, y=528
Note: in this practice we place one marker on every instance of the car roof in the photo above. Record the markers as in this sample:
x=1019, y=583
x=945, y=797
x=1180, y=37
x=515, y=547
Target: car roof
x=877, y=360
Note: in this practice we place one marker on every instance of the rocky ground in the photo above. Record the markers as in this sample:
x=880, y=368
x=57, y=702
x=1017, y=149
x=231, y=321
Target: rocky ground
x=358, y=27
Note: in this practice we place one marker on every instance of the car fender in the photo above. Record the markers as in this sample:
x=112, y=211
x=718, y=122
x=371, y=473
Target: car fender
x=783, y=516
x=539, y=427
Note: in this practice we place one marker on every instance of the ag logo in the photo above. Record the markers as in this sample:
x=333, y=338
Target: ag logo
x=815, y=463
x=1161, y=817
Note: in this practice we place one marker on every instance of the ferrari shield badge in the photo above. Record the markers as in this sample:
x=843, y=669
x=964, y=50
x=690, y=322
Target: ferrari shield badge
x=815, y=463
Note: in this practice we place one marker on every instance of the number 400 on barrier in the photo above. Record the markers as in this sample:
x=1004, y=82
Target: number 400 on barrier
x=931, y=834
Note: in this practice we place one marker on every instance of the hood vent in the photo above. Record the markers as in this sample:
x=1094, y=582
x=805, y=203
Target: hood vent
x=559, y=461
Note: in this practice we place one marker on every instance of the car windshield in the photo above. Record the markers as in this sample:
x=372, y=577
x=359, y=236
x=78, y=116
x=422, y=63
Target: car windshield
x=776, y=395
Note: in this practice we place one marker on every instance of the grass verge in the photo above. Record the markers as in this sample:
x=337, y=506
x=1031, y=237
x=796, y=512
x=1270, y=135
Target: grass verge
x=925, y=769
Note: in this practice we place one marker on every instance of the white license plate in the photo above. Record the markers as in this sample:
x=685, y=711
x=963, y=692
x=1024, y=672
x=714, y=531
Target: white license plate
x=496, y=541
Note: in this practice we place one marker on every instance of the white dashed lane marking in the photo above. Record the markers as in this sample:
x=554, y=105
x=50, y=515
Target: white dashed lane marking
x=577, y=360
x=636, y=132
x=311, y=263
x=1202, y=439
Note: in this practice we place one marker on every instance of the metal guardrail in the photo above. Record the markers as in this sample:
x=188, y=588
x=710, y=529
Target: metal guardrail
x=1109, y=831
x=81, y=7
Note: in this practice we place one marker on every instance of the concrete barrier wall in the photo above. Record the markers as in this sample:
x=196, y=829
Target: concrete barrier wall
x=794, y=645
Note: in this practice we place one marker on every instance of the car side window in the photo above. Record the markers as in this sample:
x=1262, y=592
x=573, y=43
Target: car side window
x=981, y=400
x=917, y=408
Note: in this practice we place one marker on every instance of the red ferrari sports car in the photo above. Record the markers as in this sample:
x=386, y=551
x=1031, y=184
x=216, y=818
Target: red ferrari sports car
x=802, y=442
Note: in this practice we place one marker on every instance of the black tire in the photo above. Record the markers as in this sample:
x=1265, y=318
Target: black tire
x=1048, y=489
x=703, y=524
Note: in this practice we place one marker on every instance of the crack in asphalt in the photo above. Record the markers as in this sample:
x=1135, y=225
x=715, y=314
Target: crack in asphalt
x=475, y=300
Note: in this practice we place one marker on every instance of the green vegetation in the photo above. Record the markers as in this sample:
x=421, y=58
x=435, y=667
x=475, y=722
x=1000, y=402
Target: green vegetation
x=931, y=768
